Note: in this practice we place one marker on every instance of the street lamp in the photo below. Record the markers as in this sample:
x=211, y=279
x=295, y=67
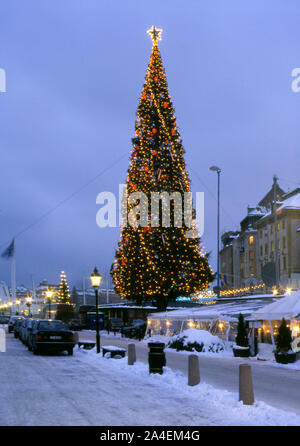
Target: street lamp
x=18, y=302
x=10, y=304
x=28, y=303
x=49, y=294
x=218, y=170
x=96, y=280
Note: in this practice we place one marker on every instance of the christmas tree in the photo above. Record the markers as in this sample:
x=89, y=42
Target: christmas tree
x=63, y=291
x=156, y=261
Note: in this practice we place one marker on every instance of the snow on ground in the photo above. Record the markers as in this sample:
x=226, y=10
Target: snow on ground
x=168, y=400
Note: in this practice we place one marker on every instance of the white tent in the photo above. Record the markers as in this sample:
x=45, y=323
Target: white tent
x=287, y=307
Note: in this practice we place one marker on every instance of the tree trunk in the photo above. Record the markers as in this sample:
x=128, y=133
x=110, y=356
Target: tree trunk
x=161, y=303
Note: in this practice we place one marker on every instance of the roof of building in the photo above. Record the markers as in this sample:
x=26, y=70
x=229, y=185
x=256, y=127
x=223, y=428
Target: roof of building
x=291, y=202
x=269, y=197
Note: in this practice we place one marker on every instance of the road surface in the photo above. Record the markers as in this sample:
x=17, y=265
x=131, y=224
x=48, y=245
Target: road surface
x=64, y=390
x=277, y=386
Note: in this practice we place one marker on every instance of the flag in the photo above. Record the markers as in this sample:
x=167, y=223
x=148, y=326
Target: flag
x=223, y=280
x=10, y=251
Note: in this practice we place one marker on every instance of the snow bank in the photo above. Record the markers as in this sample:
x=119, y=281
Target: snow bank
x=166, y=399
x=196, y=340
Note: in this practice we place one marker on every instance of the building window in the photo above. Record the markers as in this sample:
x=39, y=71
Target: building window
x=251, y=240
x=278, y=226
x=261, y=250
x=284, y=243
x=271, y=229
x=272, y=246
x=266, y=248
x=283, y=224
x=260, y=233
x=278, y=244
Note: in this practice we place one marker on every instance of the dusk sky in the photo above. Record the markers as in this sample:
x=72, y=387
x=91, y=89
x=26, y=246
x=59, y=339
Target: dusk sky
x=75, y=71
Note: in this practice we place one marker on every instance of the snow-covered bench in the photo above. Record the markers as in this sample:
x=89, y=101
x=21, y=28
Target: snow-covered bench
x=87, y=345
x=113, y=350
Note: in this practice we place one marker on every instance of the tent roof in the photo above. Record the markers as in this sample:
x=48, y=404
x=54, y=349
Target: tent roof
x=229, y=310
x=287, y=307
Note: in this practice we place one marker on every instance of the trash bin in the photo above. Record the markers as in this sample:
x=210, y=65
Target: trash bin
x=156, y=357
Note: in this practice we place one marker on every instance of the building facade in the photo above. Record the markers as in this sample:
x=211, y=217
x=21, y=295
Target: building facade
x=245, y=253
x=287, y=233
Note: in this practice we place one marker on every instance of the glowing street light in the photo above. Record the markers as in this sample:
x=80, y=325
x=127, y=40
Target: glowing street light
x=28, y=303
x=49, y=294
x=18, y=303
x=96, y=280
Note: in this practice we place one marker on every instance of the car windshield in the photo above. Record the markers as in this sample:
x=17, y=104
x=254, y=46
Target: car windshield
x=51, y=325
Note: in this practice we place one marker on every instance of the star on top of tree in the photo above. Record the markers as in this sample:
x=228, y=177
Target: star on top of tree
x=155, y=33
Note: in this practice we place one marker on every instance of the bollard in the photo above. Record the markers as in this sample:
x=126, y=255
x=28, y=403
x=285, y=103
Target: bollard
x=156, y=357
x=131, y=354
x=245, y=385
x=194, y=371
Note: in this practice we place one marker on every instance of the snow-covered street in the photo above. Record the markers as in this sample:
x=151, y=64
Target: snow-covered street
x=222, y=372
x=90, y=390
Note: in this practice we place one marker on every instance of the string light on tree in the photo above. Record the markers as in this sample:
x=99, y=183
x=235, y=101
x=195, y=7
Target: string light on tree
x=156, y=262
x=64, y=295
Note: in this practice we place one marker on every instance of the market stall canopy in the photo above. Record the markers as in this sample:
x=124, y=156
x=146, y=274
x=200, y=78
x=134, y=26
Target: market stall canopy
x=228, y=310
x=287, y=307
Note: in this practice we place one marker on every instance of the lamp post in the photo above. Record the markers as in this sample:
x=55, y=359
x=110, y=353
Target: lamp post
x=28, y=303
x=218, y=170
x=49, y=294
x=18, y=304
x=96, y=280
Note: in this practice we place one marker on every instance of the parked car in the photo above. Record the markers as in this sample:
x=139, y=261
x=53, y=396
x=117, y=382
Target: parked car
x=11, y=322
x=136, y=330
x=75, y=324
x=52, y=336
x=4, y=320
x=32, y=328
x=23, y=329
x=17, y=327
x=27, y=330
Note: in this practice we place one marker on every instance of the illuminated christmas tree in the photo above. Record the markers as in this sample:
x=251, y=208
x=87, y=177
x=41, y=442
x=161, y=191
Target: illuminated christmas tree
x=63, y=291
x=155, y=261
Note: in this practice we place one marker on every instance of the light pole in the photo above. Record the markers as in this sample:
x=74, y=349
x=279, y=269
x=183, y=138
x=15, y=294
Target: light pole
x=18, y=303
x=96, y=280
x=28, y=303
x=218, y=170
x=49, y=294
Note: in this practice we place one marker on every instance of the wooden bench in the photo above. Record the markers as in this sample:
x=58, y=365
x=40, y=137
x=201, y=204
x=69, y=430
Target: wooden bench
x=113, y=350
